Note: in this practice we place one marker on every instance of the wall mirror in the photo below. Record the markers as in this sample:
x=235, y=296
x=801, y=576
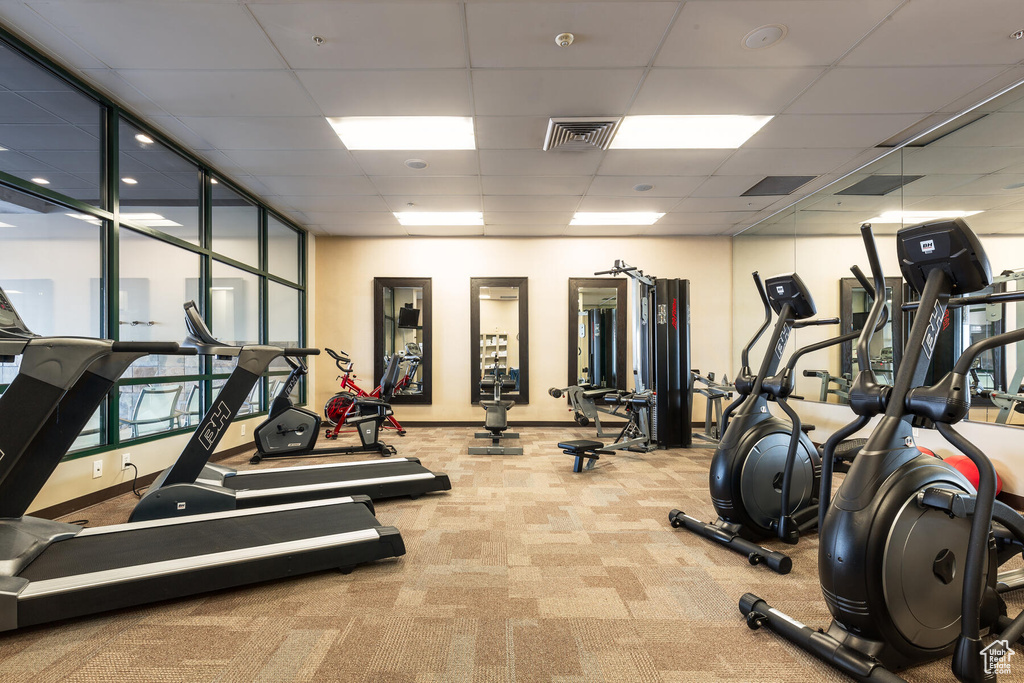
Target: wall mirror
x=499, y=339
x=597, y=332
x=402, y=324
x=971, y=166
x=886, y=347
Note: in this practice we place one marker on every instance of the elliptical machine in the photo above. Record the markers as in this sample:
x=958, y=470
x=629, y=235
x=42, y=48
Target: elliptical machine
x=909, y=553
x=765, y=472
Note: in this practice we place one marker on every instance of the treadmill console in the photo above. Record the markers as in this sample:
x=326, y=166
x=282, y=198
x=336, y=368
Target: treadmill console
x=790, y=289
x=11, y=323
x=947, y=244
x=200, y=338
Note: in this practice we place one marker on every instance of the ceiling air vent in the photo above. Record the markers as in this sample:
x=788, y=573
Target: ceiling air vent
x=580, y=133
x=774, y=185
x=878, y=185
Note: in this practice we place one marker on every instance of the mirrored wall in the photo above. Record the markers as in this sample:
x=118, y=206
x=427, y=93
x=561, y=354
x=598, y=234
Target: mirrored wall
x=499, y=338
x=402, y=336
x=597, y=332
x=972, y=167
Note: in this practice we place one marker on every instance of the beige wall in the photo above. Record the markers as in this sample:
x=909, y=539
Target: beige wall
x=344, y=304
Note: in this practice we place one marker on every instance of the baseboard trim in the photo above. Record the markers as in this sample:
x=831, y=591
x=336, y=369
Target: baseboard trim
x=67, y=507
x=512, y=423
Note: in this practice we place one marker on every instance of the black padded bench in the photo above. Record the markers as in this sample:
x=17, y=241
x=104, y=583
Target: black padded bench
x=585, y=451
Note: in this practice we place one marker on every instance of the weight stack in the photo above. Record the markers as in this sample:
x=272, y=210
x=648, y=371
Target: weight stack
x=672, y=379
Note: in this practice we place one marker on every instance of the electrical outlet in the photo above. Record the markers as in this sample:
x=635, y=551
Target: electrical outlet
x=243, y=430
x=126, y=459
x=97, y=469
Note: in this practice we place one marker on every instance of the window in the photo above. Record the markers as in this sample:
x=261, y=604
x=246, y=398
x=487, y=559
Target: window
x=50, y=132
x=282, y=250
x=235, y=225
x=158, y=188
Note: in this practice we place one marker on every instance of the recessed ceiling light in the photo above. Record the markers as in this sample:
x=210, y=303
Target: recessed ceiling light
x=764, y=36
x=144, y=139
x=405, y=132
x=686, y=132
x=84, y=217
x=213, y=181
x=615, y=218
x=6, y=225
x=41, y=181
x=918, y=216
x=3, y=149
x=417, y=164
x=129, y=181
x=643, y=187
x=440, y=217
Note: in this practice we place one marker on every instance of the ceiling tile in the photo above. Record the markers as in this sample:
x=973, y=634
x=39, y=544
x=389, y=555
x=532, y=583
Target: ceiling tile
x=937, y=183
x=26, y=21
x=434, y=203
x=527, y=217
x=164, y=35
x=712, y=33
x=374, y=218
x=663, y=186
x=176, y=130
x=726, y=185
x=312, y=204
x=306, y=185
x=524, y=230
x=265, y=133
x=669, y=230
x=522, y=35
x=960, y=203
x=426, y=184
x=110, y=82
x=889, y=90
x=704, y=217
x=389, y=93
x=961, y=160
x=830, y=130
x=605, y=230
x=362, y=230
x=554, y=92
x=365, y=35
x=445, y=231
x=680, y=162
x=721, y=91
x=222, y=93
x=943, y=32
x=328, y=162
x=511, y=132
x=785, y=161
x=702, y=204
x=529, y=185
x=994, y=130
x=538, y=162
x=513, y=203
x=656, y=204
x=444, y=162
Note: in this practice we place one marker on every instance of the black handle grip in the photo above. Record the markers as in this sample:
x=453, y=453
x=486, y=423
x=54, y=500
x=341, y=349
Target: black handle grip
x=301, y=352
x=163, y=348
x=813, y=373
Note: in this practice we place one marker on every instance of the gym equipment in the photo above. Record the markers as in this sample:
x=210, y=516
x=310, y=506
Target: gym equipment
x=496, y=418
x=909, y=553
x=583, y=402
x=290, y=431
x=841, y=390
x=764, y=474
x=715, y=394
x=344, y=403
x=51, y=571
x=967, y=468
x=194, y=486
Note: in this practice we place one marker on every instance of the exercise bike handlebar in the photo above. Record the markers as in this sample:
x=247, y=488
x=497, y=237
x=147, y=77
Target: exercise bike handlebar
x=154, y=348
x=294, y=351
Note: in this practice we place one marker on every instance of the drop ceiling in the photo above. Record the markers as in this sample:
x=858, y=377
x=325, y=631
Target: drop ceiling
x=244, y=86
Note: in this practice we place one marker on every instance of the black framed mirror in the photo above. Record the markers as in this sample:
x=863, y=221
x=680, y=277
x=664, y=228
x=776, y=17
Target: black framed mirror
x=499, y=335
x=597, y=332
x=402, y=323
x=887, y=344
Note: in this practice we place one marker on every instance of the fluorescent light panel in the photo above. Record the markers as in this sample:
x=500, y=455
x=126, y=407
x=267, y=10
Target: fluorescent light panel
x=615, y=218
x=686, y=132
x=405, y=132
x=911, y=217
x=6, y=225
x=440, y=217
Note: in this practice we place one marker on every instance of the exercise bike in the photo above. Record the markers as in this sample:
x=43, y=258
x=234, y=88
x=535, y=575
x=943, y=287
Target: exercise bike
x=290, y=431
x=764, y=474
x=909, y=553
x=343, y=405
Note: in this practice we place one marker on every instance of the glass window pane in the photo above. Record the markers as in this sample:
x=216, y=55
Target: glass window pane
x=235, y=295
x=156, y=280
x=50, y=267
x=282, y=250
x=150, y=409
x=282, y=315
x=158, y=188
x=48, y=130
x=93, y=434
x=252, y=403
x=235, y=225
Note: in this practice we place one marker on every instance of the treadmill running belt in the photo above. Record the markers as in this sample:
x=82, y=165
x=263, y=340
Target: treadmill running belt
x=87, y=554
x=269, y=479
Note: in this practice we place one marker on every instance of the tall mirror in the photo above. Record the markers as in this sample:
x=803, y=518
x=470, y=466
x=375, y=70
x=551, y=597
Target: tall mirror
x=886, y=344
x=597, y=332
x=499, y=340
x=402, y=324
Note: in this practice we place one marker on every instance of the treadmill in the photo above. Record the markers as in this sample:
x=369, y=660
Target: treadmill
x=192, y=485
x=51, y=570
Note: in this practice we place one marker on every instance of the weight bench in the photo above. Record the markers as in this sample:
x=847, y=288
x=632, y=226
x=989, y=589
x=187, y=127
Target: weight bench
x=496, y=419
x=585, y=451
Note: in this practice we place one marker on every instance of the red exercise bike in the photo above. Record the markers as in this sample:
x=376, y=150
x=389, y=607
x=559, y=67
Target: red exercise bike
x=345, y=404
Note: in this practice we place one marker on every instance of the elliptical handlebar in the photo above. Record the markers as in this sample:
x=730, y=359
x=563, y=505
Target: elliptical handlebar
x=745, y=353
x=879, y=312
x=797, y=324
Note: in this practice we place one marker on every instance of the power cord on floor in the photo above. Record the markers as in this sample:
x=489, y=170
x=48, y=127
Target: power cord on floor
x=138, y=494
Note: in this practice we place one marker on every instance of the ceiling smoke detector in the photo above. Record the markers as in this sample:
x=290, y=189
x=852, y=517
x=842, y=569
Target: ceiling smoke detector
x=417, y=164
x=564, y=39
x=318, y=41
x=764, y=36
x=580, y=133
x=643, y=187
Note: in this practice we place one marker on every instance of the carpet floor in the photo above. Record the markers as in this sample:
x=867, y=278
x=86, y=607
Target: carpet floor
x=524, y=571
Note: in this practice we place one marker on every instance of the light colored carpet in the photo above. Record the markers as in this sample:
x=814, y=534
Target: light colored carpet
x=524, y=571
